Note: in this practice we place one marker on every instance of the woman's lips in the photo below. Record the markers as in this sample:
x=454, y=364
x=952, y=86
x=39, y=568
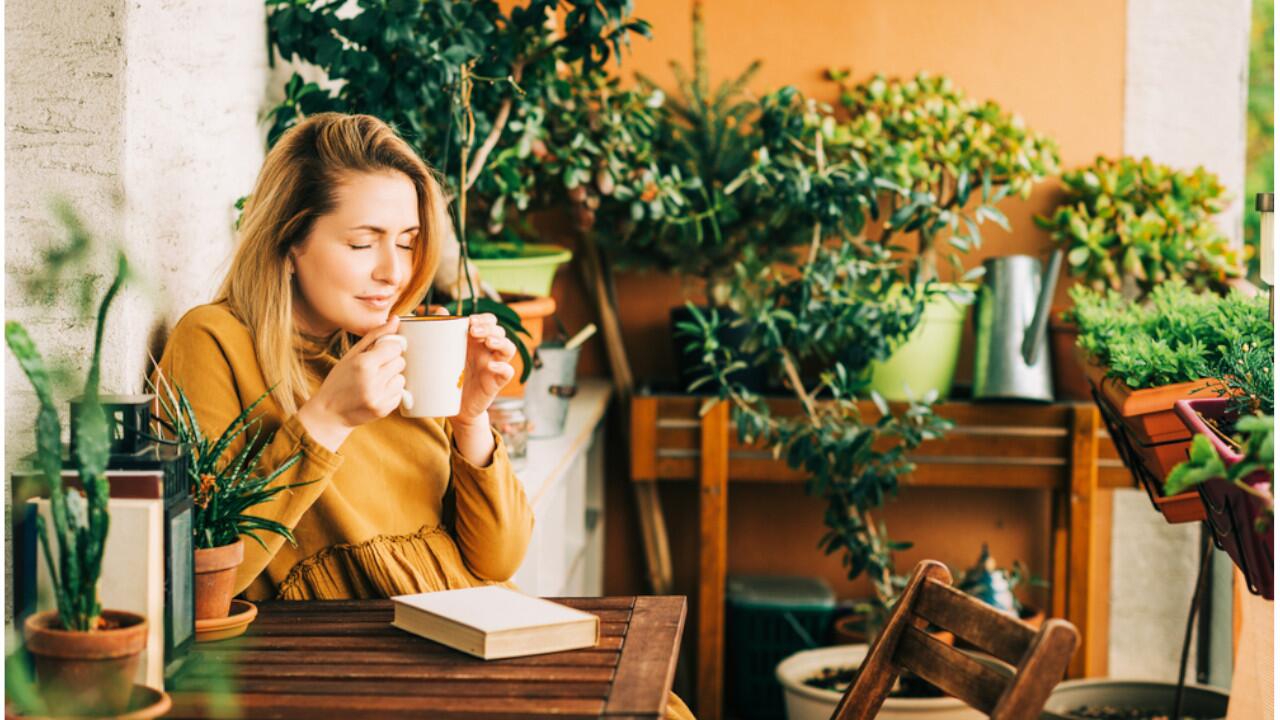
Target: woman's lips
x=375, y=302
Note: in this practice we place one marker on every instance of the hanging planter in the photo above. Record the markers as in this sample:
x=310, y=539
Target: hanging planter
x=1234, y=514
x=1141, y=425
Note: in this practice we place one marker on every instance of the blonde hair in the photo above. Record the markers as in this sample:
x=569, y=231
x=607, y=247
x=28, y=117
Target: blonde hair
x=298, y=184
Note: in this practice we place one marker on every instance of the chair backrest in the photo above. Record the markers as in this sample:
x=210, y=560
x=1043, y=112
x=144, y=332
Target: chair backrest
x=1039, y=658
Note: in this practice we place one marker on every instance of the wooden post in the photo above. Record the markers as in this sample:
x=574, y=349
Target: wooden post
x=1087, y=590
x=713, y=477
x=653, y=527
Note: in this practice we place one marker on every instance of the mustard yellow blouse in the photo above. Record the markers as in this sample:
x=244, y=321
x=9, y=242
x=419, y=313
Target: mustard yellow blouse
x=396, y=510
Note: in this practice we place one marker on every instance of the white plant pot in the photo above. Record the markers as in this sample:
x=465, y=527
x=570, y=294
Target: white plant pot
x=809, y=703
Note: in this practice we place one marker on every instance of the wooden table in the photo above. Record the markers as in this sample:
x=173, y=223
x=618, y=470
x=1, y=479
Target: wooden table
x=342, y=659
x=1061, y=448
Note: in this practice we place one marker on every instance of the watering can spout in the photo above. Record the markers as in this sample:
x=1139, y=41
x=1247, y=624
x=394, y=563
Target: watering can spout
x=1048, y=284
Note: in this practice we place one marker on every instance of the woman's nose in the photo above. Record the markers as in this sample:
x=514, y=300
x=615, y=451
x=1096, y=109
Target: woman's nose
x=391, y=268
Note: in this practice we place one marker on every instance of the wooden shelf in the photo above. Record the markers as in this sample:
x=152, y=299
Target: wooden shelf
x=1060, y=448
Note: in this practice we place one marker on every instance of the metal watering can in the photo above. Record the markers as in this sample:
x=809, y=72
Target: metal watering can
x=1011, y=359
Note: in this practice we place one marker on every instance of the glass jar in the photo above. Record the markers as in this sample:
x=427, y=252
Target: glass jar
x=506, y=414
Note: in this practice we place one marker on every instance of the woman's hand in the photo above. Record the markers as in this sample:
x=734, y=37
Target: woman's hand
x=366, y=384
x=489, y=369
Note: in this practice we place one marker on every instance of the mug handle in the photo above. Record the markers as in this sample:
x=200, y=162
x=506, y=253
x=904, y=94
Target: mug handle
x=406, y=399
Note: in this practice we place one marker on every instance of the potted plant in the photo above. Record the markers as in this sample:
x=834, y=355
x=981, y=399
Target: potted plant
x=1128, y=225
x=985, y=580
x=1108, y=699
x=995, y=586
x=957, y=158
x=224, y=488
x=839, y=305
x=85, y=656
x=1143, y=357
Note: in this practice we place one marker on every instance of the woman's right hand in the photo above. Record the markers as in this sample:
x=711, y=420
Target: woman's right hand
x=366, y=384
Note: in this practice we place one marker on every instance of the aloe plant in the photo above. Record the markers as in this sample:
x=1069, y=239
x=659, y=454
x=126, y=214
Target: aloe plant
x=80, y=520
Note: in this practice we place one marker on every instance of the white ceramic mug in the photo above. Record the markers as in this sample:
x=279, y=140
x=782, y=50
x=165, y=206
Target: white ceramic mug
x=435, y=354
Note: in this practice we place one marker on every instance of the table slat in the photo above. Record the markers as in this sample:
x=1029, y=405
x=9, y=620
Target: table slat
x=648, y=666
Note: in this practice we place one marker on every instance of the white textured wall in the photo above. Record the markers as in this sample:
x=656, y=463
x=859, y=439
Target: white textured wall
x=145, y=115
x=1185, y=87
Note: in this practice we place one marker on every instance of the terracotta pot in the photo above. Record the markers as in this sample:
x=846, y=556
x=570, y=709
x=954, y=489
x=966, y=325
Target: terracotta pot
x=852, y=630
x=86, y=673
x=1069, y=380
x=532, y=311
x=1032, y=616
x=216, y=579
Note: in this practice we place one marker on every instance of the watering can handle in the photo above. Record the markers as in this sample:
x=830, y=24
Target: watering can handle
x=1048, y=284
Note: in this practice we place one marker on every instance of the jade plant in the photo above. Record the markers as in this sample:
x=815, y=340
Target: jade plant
x=224, y=488
x=1136, y=219
x=1176, y=335
x=80, y=518
x=956, y=157
x=831, y=311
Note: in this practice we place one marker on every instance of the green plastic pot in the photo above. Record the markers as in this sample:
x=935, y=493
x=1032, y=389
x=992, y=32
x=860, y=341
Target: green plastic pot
x=927, y=360
x=529, y=274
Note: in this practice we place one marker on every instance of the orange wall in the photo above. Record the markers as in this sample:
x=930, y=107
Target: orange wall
x=1058, y=65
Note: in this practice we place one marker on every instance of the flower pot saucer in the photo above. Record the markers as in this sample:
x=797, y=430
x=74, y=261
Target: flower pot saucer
x=145, y=703
x=233, y=625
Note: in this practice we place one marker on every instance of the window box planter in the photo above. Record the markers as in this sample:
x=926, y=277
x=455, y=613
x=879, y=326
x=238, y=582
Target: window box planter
x=1148, y=434
x=1231, y=512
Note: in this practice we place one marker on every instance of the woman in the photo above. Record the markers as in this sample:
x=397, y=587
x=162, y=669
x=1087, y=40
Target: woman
x=340, y=236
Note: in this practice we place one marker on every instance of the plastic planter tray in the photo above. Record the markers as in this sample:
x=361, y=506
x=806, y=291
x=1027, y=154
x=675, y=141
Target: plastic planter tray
x=1231, y=512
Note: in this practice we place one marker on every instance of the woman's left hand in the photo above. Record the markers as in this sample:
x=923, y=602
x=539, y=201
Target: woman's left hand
x=488, y=369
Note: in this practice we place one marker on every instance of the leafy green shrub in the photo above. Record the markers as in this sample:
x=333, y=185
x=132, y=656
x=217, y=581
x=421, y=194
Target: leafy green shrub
x=468, y=84
x=1177, y=335
x=837, y=306
x=1137, y=218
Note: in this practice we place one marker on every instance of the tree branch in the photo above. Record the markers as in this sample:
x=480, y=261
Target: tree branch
x=495, y=133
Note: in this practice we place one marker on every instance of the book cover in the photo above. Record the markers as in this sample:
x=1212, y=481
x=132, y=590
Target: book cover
x=493, y=622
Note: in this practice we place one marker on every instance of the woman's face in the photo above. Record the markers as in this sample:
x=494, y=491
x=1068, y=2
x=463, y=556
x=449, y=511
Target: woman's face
x=351, y=269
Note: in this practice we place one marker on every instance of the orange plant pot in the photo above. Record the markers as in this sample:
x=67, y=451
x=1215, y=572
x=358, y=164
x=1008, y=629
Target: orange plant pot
x=532, y=311
x=216, y=579
x=86, y=673
x=1069, y=380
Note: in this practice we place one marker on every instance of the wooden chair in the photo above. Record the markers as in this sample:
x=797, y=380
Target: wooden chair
x=1039, y=658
